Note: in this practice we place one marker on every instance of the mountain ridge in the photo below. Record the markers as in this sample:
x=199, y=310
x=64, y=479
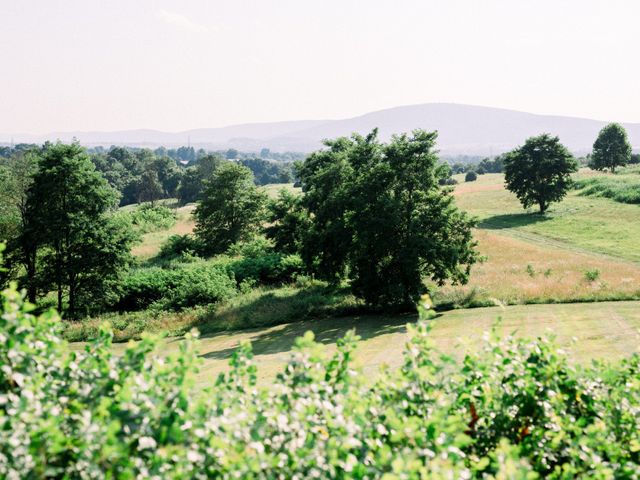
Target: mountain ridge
x=463, y=129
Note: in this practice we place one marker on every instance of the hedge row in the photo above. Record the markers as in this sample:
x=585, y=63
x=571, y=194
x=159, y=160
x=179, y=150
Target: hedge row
x=517, y=409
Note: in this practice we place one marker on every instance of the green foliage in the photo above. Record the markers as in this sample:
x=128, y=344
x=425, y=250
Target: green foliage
x=180, y=246
x=150, y=218
x=288, y=222
x=611, y=149
x=530, y=270
x=232, y=208
x=184, y=285
x=379, y=213
x=592, y=275
x=539, y=172
x=623, y=189
x=265, y=171
x=516, y=409
x=471, y=176
x=266, y=269
x=85, y=248
x=194, y=178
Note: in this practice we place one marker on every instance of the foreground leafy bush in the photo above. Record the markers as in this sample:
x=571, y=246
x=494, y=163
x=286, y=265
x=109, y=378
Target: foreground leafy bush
x=516, y=409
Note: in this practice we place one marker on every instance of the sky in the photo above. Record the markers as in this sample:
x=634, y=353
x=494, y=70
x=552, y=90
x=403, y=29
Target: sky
x=78, y=65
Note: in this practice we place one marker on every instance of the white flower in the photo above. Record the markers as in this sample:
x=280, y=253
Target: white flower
x=18, y=378
x=194, y=456
x=145, y=443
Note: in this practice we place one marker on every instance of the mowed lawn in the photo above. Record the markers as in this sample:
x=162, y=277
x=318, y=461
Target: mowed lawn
x=607, y=330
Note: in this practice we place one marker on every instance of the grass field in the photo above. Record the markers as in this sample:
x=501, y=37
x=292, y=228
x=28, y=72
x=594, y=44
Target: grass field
x=578, y=223
x=151, y=242
x=583, y=250
x=606, y=330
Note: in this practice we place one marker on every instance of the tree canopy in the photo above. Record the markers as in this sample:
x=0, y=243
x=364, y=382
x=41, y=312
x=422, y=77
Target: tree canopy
x=232, y=208
x=379, y=213
x=539, y=172
x=611, y=149
x=83, y=247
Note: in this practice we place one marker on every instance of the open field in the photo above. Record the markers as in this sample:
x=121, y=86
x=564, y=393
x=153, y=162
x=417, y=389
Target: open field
x=578, y=223
x=522, y=264
x=606, y=330
x=274, y=188
x=152, y=241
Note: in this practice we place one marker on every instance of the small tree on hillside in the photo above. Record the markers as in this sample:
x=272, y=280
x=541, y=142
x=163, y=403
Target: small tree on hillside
x=149, y=187
x=471, y=176
x=231, y=210
x=611, y=149
x=539, y=172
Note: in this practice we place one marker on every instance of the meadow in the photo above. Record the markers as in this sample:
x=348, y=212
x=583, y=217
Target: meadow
x=527, y=259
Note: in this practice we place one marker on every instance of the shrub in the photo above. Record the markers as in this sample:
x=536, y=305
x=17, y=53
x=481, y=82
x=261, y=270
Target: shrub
x=516, y=409
x=619, y=189
x=182, y=286
x=150, y=218
x=178, y=246
x=267, y=269
x=448, y=181
x=592, y=275
x=471, y=176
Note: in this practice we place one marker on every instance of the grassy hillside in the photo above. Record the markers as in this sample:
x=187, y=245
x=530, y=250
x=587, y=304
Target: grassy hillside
x=579, y=223
x=572, y=254
x=589, y=331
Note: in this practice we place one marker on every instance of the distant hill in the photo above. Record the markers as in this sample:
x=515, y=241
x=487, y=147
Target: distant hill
x=463, y=129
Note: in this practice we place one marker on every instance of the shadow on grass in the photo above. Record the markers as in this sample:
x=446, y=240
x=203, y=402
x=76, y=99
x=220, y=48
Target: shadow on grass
x=327, y=312
x=326, y=330
x=512, y=220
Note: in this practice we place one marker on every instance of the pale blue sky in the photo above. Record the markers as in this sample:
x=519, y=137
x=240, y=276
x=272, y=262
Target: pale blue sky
x=176, y=65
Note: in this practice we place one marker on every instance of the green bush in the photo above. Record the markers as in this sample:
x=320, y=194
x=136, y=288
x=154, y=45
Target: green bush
x=184, y=285
x=517, y=409
x=150, y=218
x=180, y=246
x=471, y=176
x=267, y=269
x=592, y=275
x=620, y=189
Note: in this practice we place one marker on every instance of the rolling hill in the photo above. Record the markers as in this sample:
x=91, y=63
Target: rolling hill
x=463, y=129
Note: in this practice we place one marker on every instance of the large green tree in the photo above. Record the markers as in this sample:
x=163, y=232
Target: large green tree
x=16, y=177
x=288, y=222
x=192, y=182
x=69, y=206
x=231, y=210
x=539, y=172
x=379, y=214
x=611, y=149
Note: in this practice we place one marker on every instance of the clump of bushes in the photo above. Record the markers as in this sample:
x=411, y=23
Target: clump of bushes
x=179, y=247
x=471, y=176
x=151, y=218
x=184, y=285
x=619, y=189
x=515, y=409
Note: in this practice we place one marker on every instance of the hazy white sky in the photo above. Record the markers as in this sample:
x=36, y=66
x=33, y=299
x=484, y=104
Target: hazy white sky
x=176, y=65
